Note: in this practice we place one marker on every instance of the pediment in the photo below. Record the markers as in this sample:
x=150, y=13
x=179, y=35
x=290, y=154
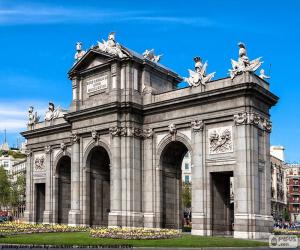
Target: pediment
x=91, y=59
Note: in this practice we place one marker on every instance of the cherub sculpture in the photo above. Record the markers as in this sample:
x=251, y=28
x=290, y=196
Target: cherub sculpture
x=149, y=54
x=33, y=118
x=111, y=46
x=243, y=64
x=198, y=76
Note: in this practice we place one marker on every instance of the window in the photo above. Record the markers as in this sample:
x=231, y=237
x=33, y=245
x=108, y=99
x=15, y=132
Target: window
x=186, y=178
x=186, y=166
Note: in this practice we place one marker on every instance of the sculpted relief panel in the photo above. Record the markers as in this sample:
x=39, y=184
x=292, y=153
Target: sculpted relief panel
x=39, y=162
x=220, y=140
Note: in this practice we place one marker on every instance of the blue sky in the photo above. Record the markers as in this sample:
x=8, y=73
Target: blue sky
x=37, y=41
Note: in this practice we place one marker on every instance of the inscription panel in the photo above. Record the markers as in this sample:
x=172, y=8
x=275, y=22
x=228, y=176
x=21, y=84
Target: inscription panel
x=97, y=84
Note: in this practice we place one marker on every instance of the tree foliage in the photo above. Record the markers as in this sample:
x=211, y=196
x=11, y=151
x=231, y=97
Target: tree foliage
x=186, y=194
x=4, y=187
x=11, y=193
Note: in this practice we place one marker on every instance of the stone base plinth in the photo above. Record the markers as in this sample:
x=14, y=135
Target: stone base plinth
x=114, y=219
x=149, y=220
x=132, y=219
x=251, y=235
x=201, y=232
x=47, y=217
x=74, y=218
x=252, y=226
x=27, y=216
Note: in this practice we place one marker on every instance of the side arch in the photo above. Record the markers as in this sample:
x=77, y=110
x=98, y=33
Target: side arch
x=96, y=162
x=91, y=145
x=61, y=187
x=58, y=157
x=168, y=139
x=169, y=157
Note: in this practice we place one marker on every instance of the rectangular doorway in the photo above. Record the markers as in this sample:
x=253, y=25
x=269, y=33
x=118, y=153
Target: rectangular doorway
x=222, y=203
x=39, y=202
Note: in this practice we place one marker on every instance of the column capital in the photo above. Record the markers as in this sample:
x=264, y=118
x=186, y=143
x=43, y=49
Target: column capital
x=28, y=152
x=48, y=149
x=74, y=138
x=148, y=133
x=115, y=131
x=252, y=118
x=197, y=125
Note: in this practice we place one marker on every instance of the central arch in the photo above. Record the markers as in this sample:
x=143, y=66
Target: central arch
x=171, y=184
x=98, y=162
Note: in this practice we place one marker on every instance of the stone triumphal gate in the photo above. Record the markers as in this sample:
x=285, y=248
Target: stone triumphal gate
x=114, y=158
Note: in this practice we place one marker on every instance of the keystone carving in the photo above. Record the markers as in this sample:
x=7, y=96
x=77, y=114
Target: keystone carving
x=173, y=131
x=95, y=135
x=63, y=146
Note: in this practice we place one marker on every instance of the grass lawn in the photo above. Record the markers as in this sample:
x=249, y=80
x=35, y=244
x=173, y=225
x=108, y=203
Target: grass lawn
x=83, y=239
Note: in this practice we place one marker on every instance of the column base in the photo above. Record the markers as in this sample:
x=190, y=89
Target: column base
x=149, y=220
x=201, y=232
x=252, y=226
x=74, y=218
x=251, y=235
x=47, y=217
x=114, y=219
x=27, y=216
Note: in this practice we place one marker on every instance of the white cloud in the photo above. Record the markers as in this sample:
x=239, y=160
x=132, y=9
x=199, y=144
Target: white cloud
x=13, y=114
x=42, y=14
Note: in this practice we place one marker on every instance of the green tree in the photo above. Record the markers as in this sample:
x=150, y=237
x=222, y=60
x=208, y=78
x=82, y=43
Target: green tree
x=286, y=215
x=4, y=188
x=18, y=191
x=186, y=194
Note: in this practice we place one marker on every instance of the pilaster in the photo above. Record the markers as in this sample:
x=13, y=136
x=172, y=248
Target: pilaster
x=148, y=180
x=48, y=213
x=28, y=211
x=115, y=177
x=200, y=225
x=74, y=213
x=250, y=217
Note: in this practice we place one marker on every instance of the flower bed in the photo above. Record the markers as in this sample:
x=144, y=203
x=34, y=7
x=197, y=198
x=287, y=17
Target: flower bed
x=286, y=231
x=10, y=228
x=134, y=233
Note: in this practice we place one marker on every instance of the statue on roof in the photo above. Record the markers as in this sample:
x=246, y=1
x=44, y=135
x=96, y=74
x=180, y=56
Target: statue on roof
x=149, y=54
x=243, y=64
x=53, y=113
x=198, y=76
x=33, y=118
x=111, y=46
x=262, y=75
x=79, y=52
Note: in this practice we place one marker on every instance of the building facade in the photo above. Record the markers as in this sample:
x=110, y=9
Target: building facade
x=114, y=158
x=293, y=187
x=7, y=159
x=279, y=188
x=186, y=168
